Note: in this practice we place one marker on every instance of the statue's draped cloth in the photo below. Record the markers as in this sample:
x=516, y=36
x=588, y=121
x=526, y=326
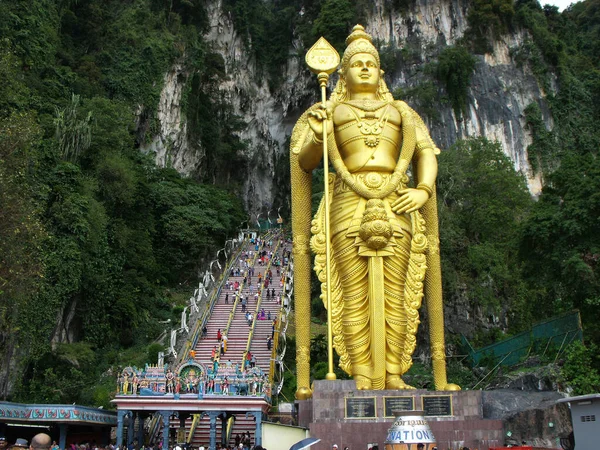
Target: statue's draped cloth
x=376, y=293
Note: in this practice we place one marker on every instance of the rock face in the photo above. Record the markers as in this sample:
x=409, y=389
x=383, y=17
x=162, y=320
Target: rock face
x=171, y=146
x=533, y=417
x=499, y=92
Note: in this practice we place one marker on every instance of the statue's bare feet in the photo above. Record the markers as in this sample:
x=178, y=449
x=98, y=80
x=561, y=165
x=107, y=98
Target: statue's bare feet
x=362, y=383
x=395, y=382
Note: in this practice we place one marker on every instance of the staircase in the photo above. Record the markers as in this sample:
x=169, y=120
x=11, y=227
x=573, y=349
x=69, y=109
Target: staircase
x=241, y=426
x=231, y=320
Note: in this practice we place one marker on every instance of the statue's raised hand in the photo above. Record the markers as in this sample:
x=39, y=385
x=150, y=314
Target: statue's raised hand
x=410, y=200
x=316, y=118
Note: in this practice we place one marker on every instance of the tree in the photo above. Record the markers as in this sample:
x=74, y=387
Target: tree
x=482, y=204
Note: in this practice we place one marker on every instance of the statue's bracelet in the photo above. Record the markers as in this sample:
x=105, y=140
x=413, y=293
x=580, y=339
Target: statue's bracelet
x=426, y=188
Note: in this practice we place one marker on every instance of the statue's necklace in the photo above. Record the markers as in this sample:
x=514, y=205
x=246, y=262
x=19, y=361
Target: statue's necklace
x=406, y=153
x=370, y=126
x=366, y=105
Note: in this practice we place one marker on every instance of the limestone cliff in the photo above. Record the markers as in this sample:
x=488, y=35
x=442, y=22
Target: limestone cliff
x=499, y=92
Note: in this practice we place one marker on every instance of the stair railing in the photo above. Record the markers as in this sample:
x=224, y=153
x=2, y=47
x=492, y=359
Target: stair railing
x=229, y=429
x=154, y=428
x=216, y=292
x=195, y=422
x=240, y=293
x=282, y=324
x=258, y=304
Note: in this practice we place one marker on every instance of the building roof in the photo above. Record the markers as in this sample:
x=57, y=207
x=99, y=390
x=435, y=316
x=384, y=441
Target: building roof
x=41, y=414
x=579, y=398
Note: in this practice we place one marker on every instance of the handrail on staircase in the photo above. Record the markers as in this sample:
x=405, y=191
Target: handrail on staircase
x=258, y=304
x=280, y=315
x=216, y=292
x=154, y=427
x=194, y=424
x=229, y=429
x=238, y=295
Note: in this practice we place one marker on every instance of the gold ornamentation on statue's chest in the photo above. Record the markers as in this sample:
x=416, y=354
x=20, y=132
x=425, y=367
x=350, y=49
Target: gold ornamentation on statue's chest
x=370, y=125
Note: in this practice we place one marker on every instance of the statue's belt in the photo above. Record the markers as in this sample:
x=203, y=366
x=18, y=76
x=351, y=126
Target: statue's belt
x=374, y=181
x=349, y=222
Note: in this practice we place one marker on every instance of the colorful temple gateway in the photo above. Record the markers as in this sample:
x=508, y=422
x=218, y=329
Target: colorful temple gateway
x=186, y=399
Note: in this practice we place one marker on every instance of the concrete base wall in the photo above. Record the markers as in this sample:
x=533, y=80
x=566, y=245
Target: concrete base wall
x=325, y=416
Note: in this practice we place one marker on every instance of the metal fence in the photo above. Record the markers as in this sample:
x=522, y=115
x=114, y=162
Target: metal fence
x=548, y=338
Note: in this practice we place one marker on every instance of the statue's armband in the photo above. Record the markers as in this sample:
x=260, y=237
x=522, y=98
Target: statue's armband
x=424, y=142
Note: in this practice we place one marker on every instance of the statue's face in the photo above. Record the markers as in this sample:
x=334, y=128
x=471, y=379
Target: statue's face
x=362, y=73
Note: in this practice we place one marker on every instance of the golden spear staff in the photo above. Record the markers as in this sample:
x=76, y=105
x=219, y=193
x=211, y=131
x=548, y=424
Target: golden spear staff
x=323, y=60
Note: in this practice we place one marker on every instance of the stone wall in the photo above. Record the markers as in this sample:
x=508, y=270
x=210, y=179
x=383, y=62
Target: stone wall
x=479, y=420
x=325, y=416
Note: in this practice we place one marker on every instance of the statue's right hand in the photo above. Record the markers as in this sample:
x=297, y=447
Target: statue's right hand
x=316, y=118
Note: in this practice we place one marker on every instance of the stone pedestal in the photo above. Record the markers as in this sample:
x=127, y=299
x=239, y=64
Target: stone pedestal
x=329, y=416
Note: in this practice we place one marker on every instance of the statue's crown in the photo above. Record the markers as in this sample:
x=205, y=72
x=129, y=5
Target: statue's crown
x=359, y=41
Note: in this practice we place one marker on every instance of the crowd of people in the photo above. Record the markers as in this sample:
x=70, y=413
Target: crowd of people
x=243, y=442
x=40, y=441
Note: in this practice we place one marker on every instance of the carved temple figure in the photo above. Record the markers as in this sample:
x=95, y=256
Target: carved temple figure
x=170, y=381
x=383, y=226
x=134, y=383
x=125, y=383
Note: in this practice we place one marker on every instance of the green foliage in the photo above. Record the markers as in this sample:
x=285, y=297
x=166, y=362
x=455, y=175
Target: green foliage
x=334, y=22
x=460, y=373
x=318, y=357
x=528, y=53
x=94, y=237
x=479, y=229
x=543, y=151
x=420, y=376
x=14, y=94
x=579, y=28
x=92, y=234
x=560, y=244
x=487, y=20
x=581, y=369
x=153, y=350
x=454, y=69
x=32, y=29
x=131, y=49
x=530, y=15
x=74, y=135
x=288, y=391
x=21, y=230
x=424, y=98
x=488, y=337
x=65, y=373
x=267, y=30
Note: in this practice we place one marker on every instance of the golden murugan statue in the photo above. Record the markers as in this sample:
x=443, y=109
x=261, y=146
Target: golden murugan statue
x=384, y=233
